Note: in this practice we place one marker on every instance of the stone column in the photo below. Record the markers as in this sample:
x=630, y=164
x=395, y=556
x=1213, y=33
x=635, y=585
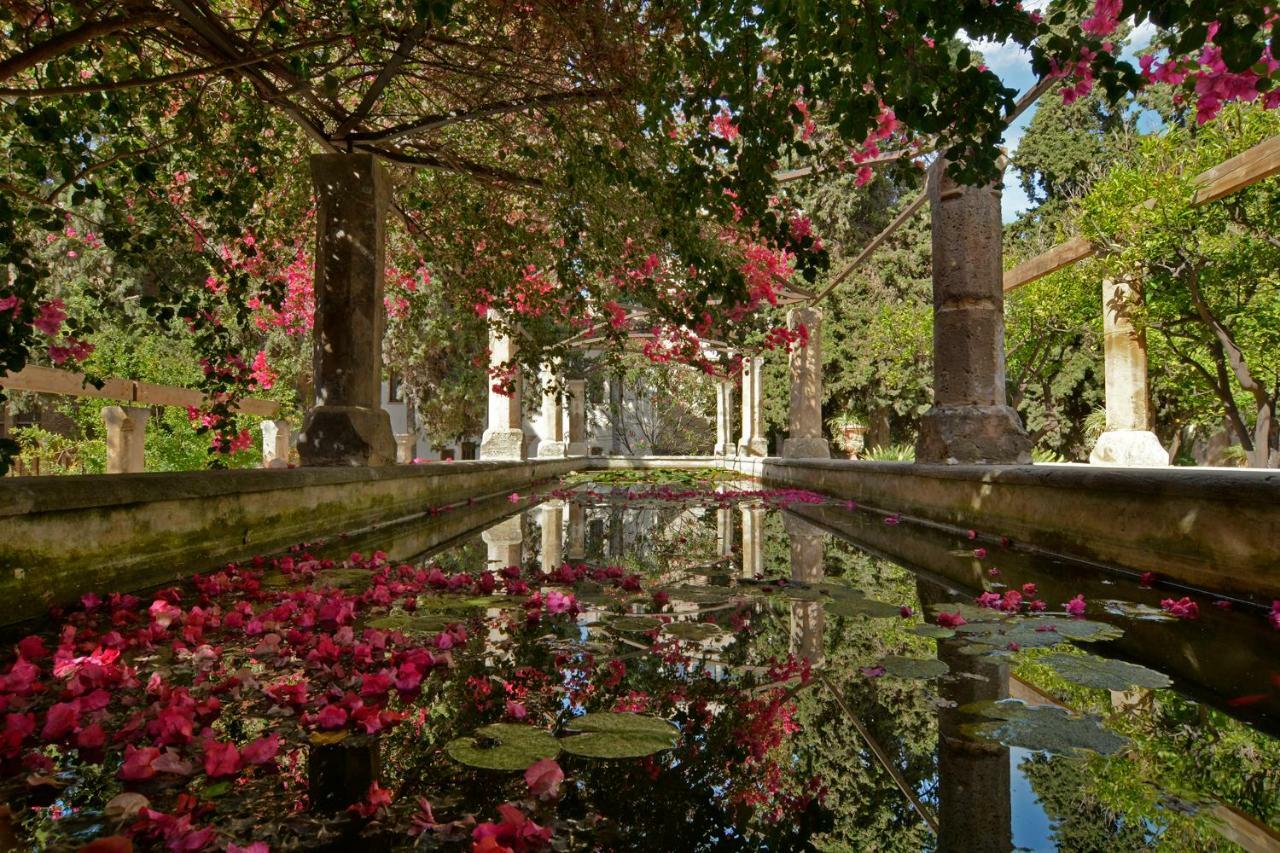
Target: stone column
x=577, y=417
x=804, y=432
x=347, y=425
x=406, y=447
x=504, y=543
x=275, y=444
x=1128, y=439
x=504, y=437
x=753, y=441
x=126, y=438
x=752, y=540
x=552, y=530
x=617, y=431
x=577, y=531
x=808, y=544
x=724, y=418
x=552, y=442
x=970, y=421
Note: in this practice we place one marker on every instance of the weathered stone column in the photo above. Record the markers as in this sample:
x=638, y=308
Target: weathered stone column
x=577, y=531
x=347, y=425
x=551, y=441
x=504, y=543
x=275, y=444
x=971, y=421
x=753, y=441
x=724, y=418
x=804, y=433
x=752, y=540
x=406, y=447
x=126, y=438
x=552, y=532
x=504, y=437
x=808, y=543
x=577, y=417
x=1128, y=439
x=617, y=430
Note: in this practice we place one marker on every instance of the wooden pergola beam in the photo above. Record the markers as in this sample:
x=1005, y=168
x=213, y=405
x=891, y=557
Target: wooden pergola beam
x=48, y=380
x=1258, y=163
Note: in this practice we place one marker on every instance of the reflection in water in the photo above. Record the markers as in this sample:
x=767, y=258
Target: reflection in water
x=974, y=808
x=808, y=543
x=577, y=531
x=752, y=540
x=552, y=523
x=724, y=531
x=504, y=542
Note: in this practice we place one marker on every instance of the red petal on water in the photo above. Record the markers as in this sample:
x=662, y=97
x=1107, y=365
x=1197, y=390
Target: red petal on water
x=1249, y=699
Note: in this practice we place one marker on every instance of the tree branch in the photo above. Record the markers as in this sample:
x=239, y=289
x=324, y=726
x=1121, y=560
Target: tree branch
x=454, y=164
x=389, y=70
x=102, y=164
x=60, y=44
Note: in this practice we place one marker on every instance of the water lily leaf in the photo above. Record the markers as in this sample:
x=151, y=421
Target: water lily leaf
x=458, y=604
x=904, y=667
x=937, y=632
x=412, y=623
x=692, y=631
x=1105, y=673
x=503, y=746
x=639, y=624
x=1080, y=630
x=859, y=606
x=1044, y=728
x=710, y=595
x=607, y=734
x=971, y=612
x=1134, y=610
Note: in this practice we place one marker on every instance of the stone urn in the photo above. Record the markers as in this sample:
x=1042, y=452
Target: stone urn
x=853, y=438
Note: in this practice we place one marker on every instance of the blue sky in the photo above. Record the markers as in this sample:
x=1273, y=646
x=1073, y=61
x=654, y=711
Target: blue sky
x=1014, y=67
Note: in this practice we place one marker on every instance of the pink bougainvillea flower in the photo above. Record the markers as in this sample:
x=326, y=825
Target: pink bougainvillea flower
x=255, y=847
x=905, y=611
x=993, y=572
x=1183, y=608
x=221, y=759
x=892, y=519
x=137, y=763
x=1222, y=604
x=559, y=602
x=1029, y=590
x=376, y=800
x=51, y=317
x=262, y=750
x=514, y=497
x=950, y=620
x=516, y=710
x=1147, y=579
x=980, y=553
x=972, y=534
x=1274, y=615
x=1075, y=607
x=543, y=778
x=62, y=719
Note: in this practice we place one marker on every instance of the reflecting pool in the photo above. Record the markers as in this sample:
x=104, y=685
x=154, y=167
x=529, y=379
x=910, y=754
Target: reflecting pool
x=683, y=664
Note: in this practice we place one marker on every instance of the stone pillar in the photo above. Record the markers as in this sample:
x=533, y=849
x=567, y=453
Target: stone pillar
x=753, y=441
x=752, y=540
x=724, y=418
x=552, y=530
x=406, y=447
x=808, y=544
x=577, y=531
x=804, y=432
x=504, y=543
x=552, y=442
x=347, y=425
x=275, y=444
x=577, y=417
x=617, y=539
x=1128, y=439
x=504, y=437
x=970, y=421
x=126, y=438
x=617, y=431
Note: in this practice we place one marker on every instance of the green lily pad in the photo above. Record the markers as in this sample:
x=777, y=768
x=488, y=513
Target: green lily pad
x=503, y=746
x=923, y=668
x=458, y=604
x=936, y=632
x=340, y=578
x=1105, y=673
x=1134, y=610
x=1044, y=728
x=638, y=624
x=607, y=734
x=859, y=606
x=971, y=612
x=412, y=623
x=692, y=631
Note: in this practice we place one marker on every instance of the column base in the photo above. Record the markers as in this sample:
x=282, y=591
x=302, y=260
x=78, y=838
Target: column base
x=963, y=435
x=502, y=444
x=754, y=447
x=346, y=435
x=576, y=448
x=1135, y=448
x=806, y=448
x=406, y=445
x=551, y=449
x=724, y=450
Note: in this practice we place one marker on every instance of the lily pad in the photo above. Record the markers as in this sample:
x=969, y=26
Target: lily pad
x=638, y=624
x=936, y=632
x=1044, y=728
x=859, y=606
x=923, y=668
x=692, y=631
x=412, y=623
x=1134, y=610
x=1105, y=673
x=607, y=734
x=503, y=746
x=970, y=612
